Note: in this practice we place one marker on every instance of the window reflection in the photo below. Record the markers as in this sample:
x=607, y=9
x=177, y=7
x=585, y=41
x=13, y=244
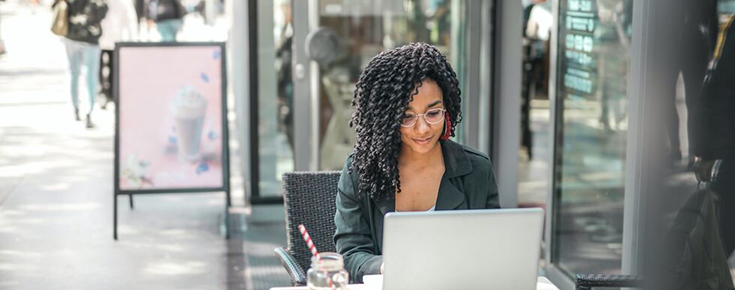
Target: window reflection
x=689, y=139
x=364, y=29
x=593, y=54
x=692, y=208
x=275, y=95
x=535, y=112
x=724, y=155
x=705, y=72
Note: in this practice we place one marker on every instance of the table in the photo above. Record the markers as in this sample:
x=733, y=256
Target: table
x=542, y=284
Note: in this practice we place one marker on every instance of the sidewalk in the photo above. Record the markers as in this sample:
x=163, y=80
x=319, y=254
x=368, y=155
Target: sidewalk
x=56, y=195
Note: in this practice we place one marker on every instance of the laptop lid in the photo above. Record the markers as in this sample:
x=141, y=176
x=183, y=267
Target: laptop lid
x=467, y=249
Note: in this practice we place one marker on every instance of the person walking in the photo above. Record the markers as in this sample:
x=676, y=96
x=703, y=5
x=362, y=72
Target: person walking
x=2, y=44
x=82, y=47
x=168, y=16
x=120, y=24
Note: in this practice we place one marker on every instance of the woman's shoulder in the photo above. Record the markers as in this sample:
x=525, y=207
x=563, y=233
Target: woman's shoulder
x=347, y=179
x=475, y=156
x=348, y=164
x=481, y=164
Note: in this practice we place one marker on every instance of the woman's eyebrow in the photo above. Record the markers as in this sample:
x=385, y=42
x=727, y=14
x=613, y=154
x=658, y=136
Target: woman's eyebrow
x=434, y=103
x=429, y=105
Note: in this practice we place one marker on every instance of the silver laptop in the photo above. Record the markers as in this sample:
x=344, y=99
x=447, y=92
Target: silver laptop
x=468, y=249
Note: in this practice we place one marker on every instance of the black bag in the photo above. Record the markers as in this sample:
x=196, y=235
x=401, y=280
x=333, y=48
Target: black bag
x=697, y=256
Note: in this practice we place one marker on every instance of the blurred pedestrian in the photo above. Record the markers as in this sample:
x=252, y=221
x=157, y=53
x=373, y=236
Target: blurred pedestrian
x=120, y=24
x=168, y=16
x=82, y=47
x=2, y=44
x=715, y=134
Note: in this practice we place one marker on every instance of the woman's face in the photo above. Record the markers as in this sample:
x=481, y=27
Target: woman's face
x=423, y=137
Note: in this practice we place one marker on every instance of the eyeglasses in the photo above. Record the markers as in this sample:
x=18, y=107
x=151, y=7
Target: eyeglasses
x=432, y=116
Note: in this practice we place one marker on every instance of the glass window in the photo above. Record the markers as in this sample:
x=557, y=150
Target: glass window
x=699, y=125
x=365, y=28
x=688, y=148
x=726, y=11
x=204, y=20
x=533, y=164
x=726, y=7
x=361, y=29
x=591, y=131
x=275, y=95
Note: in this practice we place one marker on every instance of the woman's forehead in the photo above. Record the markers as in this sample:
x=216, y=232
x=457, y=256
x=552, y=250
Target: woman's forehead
x=429, y=94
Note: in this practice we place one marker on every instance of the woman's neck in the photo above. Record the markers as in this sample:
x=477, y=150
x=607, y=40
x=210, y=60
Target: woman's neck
x=410, y=158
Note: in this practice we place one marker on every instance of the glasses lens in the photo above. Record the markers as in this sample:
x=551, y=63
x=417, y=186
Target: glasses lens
x=408, y=120
x=434, y=116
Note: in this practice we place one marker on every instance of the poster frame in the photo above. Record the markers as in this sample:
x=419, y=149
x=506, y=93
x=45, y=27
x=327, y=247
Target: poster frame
x=225, y=131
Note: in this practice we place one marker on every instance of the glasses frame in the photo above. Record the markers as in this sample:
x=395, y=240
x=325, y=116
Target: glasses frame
x=416, y=120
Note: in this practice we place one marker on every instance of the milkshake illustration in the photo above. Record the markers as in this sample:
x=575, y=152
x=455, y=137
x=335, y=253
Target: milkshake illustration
x=189, y=108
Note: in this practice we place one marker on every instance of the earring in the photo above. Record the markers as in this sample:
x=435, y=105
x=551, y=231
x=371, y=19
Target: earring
x=447, y=128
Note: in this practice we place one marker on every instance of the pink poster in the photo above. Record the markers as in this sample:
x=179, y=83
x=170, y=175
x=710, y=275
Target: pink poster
x=170, y=124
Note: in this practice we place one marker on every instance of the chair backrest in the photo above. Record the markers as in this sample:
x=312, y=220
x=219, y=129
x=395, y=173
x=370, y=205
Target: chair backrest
x=309, y=199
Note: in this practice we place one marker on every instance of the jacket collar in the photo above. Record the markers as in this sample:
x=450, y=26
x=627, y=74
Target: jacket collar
x=456, y=163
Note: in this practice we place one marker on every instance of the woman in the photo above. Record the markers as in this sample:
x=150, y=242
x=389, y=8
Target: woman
x=82, y=48
x=407, y=105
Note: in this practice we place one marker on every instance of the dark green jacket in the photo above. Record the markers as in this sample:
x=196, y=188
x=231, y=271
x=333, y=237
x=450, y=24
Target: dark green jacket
x=468, y=183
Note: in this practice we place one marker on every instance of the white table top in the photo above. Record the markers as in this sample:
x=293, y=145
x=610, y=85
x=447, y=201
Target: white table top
x=542, y=284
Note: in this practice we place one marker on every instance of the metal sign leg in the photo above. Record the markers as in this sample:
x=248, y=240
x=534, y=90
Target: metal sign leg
x=114, y=218
x=227, y=215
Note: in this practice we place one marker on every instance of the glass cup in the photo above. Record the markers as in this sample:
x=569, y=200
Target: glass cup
x=189, y=110
x=327, y=272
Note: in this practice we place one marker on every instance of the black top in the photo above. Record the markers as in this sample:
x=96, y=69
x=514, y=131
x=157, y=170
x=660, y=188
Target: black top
x=85, y=17
x=159, y=10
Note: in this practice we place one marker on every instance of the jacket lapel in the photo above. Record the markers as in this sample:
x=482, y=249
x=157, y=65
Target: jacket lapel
x=450, y=197
x=456, y=164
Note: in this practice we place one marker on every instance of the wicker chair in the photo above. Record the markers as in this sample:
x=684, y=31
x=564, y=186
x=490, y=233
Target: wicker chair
x=309, y=199
x=589, y=281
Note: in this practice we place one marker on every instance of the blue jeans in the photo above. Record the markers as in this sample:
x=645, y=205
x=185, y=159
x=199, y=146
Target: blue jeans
x=86, y=54
x=168, y=29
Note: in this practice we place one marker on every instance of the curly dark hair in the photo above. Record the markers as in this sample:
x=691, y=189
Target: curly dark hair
x=381, y=98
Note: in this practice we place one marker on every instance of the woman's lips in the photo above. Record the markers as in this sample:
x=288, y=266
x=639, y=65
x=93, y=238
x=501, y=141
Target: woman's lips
x=422, y=141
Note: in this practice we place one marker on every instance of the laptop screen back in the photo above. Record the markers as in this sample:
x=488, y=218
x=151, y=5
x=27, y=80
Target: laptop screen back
x=468, y=249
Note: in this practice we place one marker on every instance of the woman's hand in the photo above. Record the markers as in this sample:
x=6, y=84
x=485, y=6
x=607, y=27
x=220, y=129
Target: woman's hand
x=381, y=268
x=703, y=169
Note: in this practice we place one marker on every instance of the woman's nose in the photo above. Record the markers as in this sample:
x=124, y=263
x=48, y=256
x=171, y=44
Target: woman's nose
x=422, y=126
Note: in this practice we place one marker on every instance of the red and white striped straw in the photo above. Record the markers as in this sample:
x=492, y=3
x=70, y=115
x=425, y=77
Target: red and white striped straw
x=308, y=241
x=312, y=248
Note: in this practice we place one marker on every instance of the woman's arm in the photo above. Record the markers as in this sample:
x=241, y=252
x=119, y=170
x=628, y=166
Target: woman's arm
x=353, y=238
